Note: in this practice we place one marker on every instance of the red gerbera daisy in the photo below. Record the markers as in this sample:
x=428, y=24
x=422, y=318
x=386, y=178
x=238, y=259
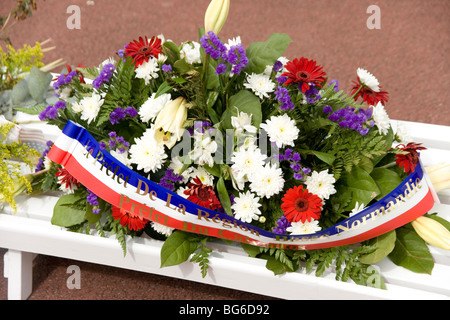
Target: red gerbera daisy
x=409, y=161
x=304, y=72
x=202, y=195
x=368, y=95
x=301, y=205
x=66, y=179
x=132, y=221
x=143, y=49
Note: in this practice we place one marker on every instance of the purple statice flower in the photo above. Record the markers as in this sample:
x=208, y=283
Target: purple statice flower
x=40, y=164
x=282, y=225
x=117, y=115
x=60, y=105
x=170, y=179
x=213, y=45
x=117, y=143
x=92, y=198
x=59, y=82
x=104, y=76
x=69, y=77
x=281, y=79
x=49, y=113
x=131, y=112
x=312, y=94
x=327, y=110
x=353, y=119
x=121, y=53
x=283, y=97
x=294, y=158
x=221, y=68
x=336, y=85
x=277, y=66
x=236, y=57
x=166, y=68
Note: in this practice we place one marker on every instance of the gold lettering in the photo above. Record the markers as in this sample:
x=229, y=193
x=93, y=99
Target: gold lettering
x=139, y=188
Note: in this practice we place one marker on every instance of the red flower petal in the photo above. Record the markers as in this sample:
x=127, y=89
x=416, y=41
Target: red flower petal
x=304, y=72
x=301, y=205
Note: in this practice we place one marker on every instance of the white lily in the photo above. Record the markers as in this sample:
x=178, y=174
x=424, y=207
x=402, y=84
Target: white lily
x=169, y=122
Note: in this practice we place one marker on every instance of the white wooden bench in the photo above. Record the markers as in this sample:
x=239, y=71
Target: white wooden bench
x=29, y=232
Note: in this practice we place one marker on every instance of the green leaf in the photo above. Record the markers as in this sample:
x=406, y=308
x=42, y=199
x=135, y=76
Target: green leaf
x=252, y=251
x=34, y=110
x=361, y=186
x=325, y=157
x=177, y=249
x=386, y=180
x=276, y=266
x=38, y=83
x=411, y=252
x=383, y=244
x=224, y=196
x=163, y=88
x=66, y=214
x=262, y=54
x=243, y=101
x=20, y=92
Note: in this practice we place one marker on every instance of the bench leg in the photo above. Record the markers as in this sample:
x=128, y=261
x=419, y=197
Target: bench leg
x=19, y=271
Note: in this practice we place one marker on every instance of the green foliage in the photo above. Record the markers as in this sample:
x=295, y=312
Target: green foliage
x=180, y=245
x=411, y=251
x=262, y=54
x=345, y=262
x=14, y=182
x=16, y=63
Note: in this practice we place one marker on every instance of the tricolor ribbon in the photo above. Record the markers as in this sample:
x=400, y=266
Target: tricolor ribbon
x=79, y=153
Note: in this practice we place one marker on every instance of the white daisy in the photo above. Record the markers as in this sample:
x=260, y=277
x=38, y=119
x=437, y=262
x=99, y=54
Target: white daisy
x=268, y=182
x=191, y=52
x=368, y=79
x=260, y=84
x=150, y=109
x=162, y=229
x=177, y=165
x=243, y=122
x=205, y=177
x=246, y=207
x=146, y=153
x=282, y=130
x=403, y=133
x=358, y=208
x=381, y=118
x=247, y=161
x=122, y=157
x=233, y=42
x=321, y=184
x=148, y=70
x=304, y=228
x=181, y=191
x=76, y=107
x=90, y=107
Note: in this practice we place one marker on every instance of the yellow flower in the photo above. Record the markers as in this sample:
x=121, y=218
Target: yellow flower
x=169, y=122
x=216, y=15
x=432, y=232
x=439, y=175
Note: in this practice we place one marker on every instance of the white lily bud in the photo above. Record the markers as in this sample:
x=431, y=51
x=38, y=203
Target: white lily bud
x=439, y=175
x=216, y=15
x=432, y=232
